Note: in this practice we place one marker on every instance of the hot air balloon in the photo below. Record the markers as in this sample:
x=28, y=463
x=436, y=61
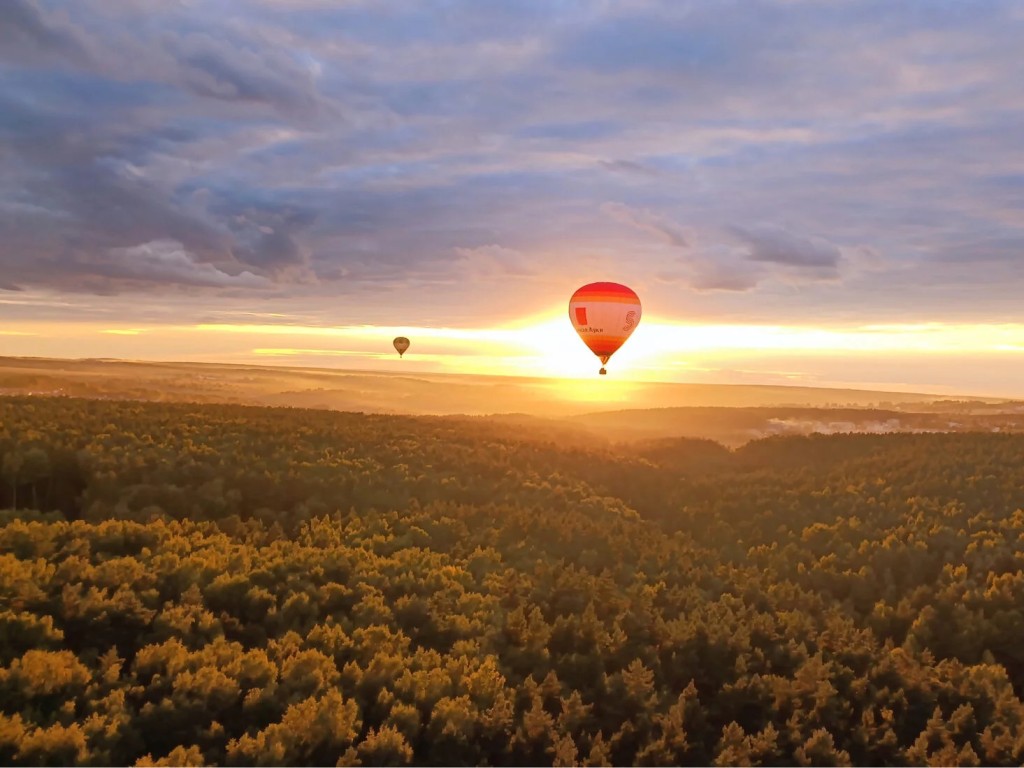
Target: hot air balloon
x=604, y=315
x=401, y=344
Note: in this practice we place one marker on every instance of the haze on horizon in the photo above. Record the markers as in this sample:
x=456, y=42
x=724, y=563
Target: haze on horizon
x=801, y=192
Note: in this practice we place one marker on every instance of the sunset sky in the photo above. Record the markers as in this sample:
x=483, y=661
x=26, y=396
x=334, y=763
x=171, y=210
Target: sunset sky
x=801, y=191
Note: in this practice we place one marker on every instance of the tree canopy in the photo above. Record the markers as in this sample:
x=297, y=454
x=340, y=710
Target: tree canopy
x=198, y=584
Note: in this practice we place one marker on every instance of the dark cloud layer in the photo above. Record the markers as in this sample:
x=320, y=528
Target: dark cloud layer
x=847, y=153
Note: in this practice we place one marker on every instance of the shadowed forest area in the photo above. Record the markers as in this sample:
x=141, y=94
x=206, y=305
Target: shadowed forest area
x=195, y=584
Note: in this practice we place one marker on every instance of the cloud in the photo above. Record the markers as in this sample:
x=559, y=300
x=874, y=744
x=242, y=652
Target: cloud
x=235, y=70
x=276, y=251
x=630, y=167
x=30, y=34
x=496, y=261
x=708, y=264
x=715, y=277
x=714, y=266
x=775, y=245
x=89, y=186
x=742, y=258
x=648, y=222
x=167, y=262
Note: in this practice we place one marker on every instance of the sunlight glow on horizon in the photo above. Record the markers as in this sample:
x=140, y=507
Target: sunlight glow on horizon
x=656, y=339
x=546, y=346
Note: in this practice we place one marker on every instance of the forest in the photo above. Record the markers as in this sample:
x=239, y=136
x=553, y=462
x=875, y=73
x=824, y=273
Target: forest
x=198, y=584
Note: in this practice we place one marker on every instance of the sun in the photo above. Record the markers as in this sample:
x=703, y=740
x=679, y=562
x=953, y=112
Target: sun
x=552, y=348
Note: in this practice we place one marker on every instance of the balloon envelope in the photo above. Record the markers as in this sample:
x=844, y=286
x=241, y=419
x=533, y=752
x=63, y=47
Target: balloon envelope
x=401, y=344
x=604, y=315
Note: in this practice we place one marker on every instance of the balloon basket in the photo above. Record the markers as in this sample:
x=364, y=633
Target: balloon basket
x=603, y=372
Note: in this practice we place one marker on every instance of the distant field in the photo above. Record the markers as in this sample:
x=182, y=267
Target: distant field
x=732, y=414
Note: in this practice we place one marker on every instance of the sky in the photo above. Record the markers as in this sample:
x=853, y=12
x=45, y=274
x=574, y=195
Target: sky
x=817, y=192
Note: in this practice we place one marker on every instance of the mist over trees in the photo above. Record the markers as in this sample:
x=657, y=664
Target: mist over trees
x=186, y=584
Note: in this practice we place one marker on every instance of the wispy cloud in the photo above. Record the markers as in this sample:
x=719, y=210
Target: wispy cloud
x=646, y=221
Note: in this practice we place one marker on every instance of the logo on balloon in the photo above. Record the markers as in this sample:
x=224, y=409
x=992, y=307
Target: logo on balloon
x=581, y=315
x=630, y=320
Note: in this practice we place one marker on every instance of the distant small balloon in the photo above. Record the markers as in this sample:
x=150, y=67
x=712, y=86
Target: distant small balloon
x=604, y=315
x=401, y=344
